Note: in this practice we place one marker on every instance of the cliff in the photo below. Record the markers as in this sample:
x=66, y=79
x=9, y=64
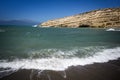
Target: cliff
x=102, y=18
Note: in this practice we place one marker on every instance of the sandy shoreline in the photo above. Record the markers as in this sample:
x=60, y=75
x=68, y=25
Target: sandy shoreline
x=97, y=71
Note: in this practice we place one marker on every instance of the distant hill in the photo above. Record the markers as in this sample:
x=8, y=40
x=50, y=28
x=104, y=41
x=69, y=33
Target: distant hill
x=102, y=18
x=17, y=22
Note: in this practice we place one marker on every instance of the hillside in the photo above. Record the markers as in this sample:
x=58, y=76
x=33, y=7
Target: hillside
x=102, y=18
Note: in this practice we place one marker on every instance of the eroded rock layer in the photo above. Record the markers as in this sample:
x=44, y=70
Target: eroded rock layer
x=102, y=18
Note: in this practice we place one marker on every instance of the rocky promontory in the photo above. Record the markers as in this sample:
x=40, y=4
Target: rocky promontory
x=102, y=18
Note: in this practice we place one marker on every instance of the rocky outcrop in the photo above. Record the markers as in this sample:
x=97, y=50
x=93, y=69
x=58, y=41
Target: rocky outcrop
x=102, y=18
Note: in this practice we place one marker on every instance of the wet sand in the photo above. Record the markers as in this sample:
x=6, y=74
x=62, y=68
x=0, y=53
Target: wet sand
x=97, y=71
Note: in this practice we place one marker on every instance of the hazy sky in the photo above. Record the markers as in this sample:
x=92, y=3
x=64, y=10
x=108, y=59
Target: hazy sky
x=42, y=10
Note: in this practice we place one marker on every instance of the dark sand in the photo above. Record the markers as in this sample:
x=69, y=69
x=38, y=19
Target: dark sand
x=96, y=71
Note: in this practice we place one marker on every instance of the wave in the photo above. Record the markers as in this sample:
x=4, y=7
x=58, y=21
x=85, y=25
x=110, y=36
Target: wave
x=65, y=53
x=112, y=29
x=35, y=26
x=60, y=64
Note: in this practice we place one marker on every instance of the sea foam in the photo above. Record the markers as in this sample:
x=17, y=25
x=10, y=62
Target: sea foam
x=60, y=64
x=112, y=29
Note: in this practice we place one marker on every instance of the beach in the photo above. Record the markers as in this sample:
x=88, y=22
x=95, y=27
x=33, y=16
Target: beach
x=97, y=71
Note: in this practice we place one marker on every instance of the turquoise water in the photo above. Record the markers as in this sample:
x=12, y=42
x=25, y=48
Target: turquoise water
x=55, y=48
x=21, y=42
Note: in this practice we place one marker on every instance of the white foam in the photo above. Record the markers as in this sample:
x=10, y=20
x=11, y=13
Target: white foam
x=112, y=29
x=34, y=25
x=62, y=64
x=7, y=72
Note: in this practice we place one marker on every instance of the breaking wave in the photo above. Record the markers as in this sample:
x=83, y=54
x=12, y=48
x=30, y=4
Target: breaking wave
x=65, y=53
x=112, y=29
x=61, y=63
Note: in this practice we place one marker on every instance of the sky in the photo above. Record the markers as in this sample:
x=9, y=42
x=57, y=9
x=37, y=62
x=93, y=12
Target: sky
x=43, y=10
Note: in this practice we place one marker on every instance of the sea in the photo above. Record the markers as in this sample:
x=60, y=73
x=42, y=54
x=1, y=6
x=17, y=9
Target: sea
x=55, y=49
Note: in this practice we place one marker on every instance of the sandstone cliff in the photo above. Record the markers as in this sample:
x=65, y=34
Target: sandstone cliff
x=102, y=18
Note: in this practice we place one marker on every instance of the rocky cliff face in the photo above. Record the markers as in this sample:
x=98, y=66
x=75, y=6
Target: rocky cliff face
x=103, y=18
